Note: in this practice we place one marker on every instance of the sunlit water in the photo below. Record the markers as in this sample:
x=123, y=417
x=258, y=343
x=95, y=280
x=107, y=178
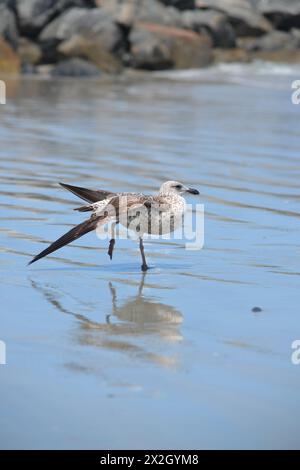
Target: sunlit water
x=99, y=355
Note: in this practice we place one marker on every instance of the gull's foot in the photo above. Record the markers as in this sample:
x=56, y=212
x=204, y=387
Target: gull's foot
x=111, y=248
x=144, y=268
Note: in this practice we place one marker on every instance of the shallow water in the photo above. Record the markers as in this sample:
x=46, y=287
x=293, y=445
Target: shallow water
x=99, y=355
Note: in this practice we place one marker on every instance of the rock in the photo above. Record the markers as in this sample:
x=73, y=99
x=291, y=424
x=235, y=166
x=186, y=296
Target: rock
x=280, y=56
x=95, y=23
x=213, y=22
x=190, y=53
x=88, y=33
x=151, y=11
x=123, y=12
x=256, y=310
x=28, y=69
x=245, y=19
x=284, y=14
x=75, y=68
x=34, y=15
x=9, y=60
x=29, y=52
x=45, y=70
x=91, y=49
x=148, y=50
x=274, y=41
x=126, y=12
x=8, y=26
x=155, y=47
x=232, y=55
x=154, y=12
x=296, y=33
x=291, y=7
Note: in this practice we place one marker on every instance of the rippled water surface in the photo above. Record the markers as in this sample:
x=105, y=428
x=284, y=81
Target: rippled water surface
x=99, y=355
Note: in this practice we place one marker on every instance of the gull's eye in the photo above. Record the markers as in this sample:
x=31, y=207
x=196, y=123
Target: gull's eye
x=178, y=186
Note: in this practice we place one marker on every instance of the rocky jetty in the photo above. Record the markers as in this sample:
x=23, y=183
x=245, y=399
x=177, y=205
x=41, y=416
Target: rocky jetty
x=90, y=37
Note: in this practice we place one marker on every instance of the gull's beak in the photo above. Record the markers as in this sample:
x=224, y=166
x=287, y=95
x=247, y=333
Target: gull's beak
x=192, y=191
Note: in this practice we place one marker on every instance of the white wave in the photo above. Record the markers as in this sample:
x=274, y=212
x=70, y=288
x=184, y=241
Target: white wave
x=257, y=73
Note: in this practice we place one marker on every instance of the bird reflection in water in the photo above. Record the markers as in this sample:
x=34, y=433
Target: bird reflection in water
x=131, y=325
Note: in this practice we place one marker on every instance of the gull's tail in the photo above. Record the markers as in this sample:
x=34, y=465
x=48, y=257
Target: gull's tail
x=76, y=232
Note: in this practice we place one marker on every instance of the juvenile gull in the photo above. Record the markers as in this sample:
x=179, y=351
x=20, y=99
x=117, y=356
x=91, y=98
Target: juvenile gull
x=156, y=215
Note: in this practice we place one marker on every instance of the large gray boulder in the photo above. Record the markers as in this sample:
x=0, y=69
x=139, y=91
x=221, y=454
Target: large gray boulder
x=29, y=52
x=8, y=26
x=244, y=17
x=83, y=22
x=75, y=68
x=122, y=11
x=85, y=33
x=284, y=14
x=33, y=15
x=149, y=51
x=92, y=50
x=271, y=42
x=291, y=7
x=152, y=11
x=213, y=22
x=158, y=47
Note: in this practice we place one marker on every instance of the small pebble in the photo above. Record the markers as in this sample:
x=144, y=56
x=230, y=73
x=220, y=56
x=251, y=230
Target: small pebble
x=256, y=309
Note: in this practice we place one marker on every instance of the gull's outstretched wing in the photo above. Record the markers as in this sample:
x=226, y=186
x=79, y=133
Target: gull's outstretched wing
x=73, y=234
x=89, y=195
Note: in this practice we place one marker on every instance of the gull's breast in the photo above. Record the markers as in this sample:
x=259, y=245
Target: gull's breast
x=155, y=221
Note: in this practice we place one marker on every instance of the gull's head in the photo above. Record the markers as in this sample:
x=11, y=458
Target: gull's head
x=175, y=187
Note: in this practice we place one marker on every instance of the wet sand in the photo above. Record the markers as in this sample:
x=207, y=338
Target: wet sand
x=100, y=355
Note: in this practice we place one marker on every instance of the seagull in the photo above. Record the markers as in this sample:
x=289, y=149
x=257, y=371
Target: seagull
x=141, y=213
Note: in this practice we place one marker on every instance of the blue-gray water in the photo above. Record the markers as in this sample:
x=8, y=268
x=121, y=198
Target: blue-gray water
x=99, y=355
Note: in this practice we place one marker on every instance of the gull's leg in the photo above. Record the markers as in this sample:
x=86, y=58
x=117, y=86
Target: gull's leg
x=110, y=251
x=141, y=286
x=114, y=303
x=144, y=265
x=112, y=241
x=113, y=296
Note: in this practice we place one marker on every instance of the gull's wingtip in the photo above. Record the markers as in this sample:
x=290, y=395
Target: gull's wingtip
x=33, y=260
